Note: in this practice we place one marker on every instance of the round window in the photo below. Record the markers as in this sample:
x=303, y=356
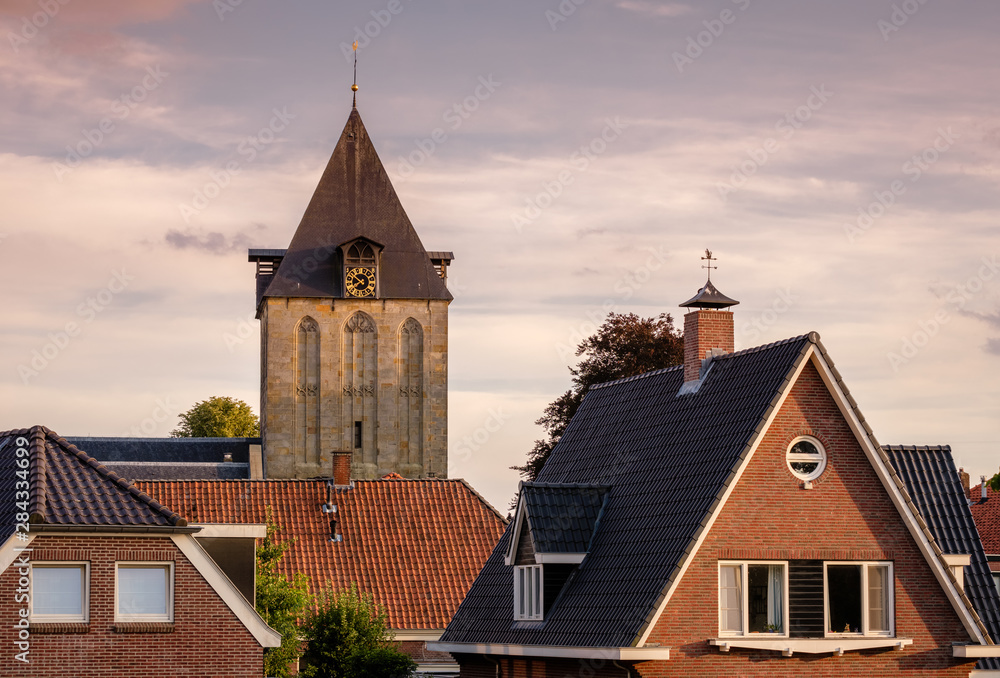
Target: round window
x=806, y=458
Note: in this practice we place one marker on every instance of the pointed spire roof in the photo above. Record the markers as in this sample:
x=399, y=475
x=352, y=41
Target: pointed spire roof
x=355, y=199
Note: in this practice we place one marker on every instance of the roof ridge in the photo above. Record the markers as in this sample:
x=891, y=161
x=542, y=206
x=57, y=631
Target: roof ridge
x=918, y=448
x=811, y=336
x=596, y=486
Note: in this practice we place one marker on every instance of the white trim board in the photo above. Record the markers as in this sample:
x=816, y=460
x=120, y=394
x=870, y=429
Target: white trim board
x=12, y=550
x=234, y=530
x=417, y=634
x=264, y=634
x=790, y=646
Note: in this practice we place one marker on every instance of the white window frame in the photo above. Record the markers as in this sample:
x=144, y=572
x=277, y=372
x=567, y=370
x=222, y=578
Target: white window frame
x=532, y=609
x=84, y=617
x=789, y=458
x=169, y=616
x=891, y=601
x=744, y=607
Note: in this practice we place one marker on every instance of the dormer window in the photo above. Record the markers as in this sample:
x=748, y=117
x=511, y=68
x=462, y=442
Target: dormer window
x=361, y=269
x=529, y=603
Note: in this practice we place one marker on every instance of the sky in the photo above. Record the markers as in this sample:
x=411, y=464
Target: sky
x=841, y=160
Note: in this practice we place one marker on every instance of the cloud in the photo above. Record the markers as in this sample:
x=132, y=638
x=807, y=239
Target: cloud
x=992, y=345
x=100, y=13
x=212, y=241
x=992, y=319
x=651, y=8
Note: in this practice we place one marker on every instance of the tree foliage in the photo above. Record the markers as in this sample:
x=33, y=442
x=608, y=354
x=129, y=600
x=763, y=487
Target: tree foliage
x=280, y=601
x=218, y=417
x=349, y=638
x=623, y=346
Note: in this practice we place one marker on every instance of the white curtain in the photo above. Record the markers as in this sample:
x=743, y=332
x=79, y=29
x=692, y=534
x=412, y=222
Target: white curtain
x=775, y=591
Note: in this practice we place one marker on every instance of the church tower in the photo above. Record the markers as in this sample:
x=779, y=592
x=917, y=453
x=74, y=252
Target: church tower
x=354, y=331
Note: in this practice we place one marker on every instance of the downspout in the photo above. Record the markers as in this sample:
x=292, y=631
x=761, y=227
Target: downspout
x=627, y=670
x=497, y=663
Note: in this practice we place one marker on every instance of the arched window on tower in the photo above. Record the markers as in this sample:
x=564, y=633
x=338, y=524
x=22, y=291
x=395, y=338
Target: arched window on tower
x=411, y=396
x=360, y=393
x=307, y=381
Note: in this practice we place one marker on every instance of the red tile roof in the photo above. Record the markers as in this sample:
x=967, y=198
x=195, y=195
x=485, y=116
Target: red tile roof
x=986, y=513
x=415, y=545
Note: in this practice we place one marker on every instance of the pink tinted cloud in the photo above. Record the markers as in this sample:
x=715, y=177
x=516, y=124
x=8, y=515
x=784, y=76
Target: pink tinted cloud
x=96, y=13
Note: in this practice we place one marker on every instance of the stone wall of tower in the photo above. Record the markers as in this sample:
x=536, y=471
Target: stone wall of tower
x=331, y=364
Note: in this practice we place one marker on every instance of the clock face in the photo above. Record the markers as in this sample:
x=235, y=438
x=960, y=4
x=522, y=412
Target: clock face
x=360, y=282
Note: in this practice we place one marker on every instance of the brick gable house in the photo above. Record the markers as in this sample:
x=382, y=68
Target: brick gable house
x=732, y=516
x=107, y=582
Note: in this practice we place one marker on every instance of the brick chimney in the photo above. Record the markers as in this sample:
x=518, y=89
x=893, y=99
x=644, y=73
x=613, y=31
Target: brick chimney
x=342, y=467
x=965, y=482
x=708, y=331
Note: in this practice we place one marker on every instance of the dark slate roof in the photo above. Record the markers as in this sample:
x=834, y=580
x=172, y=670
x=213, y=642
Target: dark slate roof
x=354, y=199
x=166, y=450
x=562, y=518
x=143, y=470
x=668, y=460
x=935, y=487
x=71, y=488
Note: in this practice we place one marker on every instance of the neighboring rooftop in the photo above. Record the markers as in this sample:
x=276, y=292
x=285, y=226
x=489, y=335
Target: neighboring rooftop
x=71, y=488
x=415, y=545
x=986, y=513
x=934, y=485
x=171, y=458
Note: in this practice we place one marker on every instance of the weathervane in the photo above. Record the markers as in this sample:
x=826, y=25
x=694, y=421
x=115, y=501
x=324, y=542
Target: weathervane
x=354, y=87
x=710, y=258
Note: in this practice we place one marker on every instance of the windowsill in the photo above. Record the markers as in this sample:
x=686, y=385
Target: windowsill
x=789, y=646
x=144, y=627
x=52, y=628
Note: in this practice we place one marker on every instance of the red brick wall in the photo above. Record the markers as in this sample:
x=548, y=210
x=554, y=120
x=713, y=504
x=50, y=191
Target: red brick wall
x=206, y=641
x=847, y=515
x=417, y=649
x=703, y=331
x=475, y=666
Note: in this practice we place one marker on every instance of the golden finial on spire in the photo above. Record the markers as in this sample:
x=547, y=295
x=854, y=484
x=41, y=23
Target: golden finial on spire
x=354, y=87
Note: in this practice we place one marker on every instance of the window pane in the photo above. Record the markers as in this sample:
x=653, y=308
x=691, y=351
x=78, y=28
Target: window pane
x=730, y=597
x=536, y=611
x=843, y=596
x=765, y=592
x=520, y=590
x=878, y=598
x=804, y=467
x=142, y=590
x=57, y=590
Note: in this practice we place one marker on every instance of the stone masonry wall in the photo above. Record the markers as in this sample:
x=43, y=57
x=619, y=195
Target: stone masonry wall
x=384, y=448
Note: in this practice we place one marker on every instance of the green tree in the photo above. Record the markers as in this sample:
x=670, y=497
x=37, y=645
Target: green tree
x=623, y=346
x=280, y=601
x=349, y=638
x=218, y=417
